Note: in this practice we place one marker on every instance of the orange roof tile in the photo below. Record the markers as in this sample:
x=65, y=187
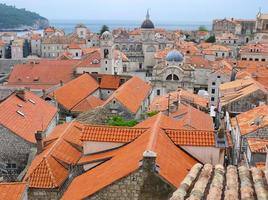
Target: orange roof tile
x=172, y=161
x=110, y=134
x=13, y=191
x=98, y=157
x=121, y=55
x=192, y=137
x=257, y=145
x=131, y=94
x=2, y=43
x=110, y=82
x=160, y=103
x=75, y=91
x=25, y=118
x=92, y=59
x=49, y=30
x=73, y=46
x=46, y=170
x=87, y=104
x=43, y=74
x=246, y=120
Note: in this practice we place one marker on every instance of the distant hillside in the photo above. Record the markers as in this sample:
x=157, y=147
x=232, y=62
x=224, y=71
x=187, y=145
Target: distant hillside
x=20, y=19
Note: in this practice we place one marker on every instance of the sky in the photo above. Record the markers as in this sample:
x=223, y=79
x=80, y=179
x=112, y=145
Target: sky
x=160, y=10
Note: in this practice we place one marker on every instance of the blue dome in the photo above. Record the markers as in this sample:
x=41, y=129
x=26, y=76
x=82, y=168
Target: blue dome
x=174, y=55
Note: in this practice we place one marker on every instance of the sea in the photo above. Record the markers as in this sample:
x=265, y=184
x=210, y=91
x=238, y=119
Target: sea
x=95, y=25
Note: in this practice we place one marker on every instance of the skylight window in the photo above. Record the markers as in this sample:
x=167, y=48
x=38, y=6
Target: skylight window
x=32, y=101
x=20, y=113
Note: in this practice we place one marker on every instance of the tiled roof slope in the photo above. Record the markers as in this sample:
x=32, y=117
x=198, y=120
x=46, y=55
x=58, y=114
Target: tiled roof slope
x=257, y=145
x=246, y=120
x=43, y=74
x=172, y=161
x=87, y=104
x=192, y=118
x=192, y=137
x=62, y=146
x=12, y=191
x=216, y=183
x=110, y=134
x=75, y=91
x=25, y=118
x=235, y=90
x=109, y=81
x=160, y=103
x=131, y=94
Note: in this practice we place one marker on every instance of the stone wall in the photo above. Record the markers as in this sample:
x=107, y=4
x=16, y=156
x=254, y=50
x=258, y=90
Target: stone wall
x=140, y=185
x=13, y=150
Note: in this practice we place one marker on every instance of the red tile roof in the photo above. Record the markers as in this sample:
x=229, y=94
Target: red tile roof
x=73, y=46
x=91, y=59
x=13, y=191
x=172, y=161
x=110, y=82
x=131, y=94
x=194, y=119
x=42, y=75
x=62, y=146
x=25, y=118
x=257, y=145
x=160, y=103
x=87, y=104
x=110, y=134
x=192, y=137
x=246, y=120
x=74, y=92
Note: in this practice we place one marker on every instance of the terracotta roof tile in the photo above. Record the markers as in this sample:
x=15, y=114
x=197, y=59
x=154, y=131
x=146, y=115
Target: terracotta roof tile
x=43, y=74
x=192, y=137
x=47, y=170
x=87, y=104
x=110, y=82
x=246, y=120
x=73, y=46
x=131, y=94
x=13, y=191
x=25, y=118
x=257, y=145
x=75, y=91
x=110, y=134
x=92, y=59
x=172, y=161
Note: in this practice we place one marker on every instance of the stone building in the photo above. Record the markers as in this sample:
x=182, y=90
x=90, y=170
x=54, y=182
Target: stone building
x=131, y=100
x=257, y=51
x=53, y=168
x=244, y=28
x=2, y=49
x=245, y=126
x=36, y=44
x=241, y=95
x=256, y=151
x=22, y=115
x=141, y=165
x=261, y=27
x=17, y=49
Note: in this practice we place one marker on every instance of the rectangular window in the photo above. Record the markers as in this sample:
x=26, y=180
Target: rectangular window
x=158, y=92
x=212, y=99
x=213, y=91
x=213, y=83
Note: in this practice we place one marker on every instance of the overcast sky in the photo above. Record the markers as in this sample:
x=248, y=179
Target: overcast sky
x=161, y=10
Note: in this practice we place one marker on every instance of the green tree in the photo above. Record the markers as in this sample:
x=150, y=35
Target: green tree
x=103, y=29
x=119, y=121
x=202, y=28
x=211, y=39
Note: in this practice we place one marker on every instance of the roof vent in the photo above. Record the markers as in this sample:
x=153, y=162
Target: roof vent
x=21, y=94
x=19, y=105
x=20, y=113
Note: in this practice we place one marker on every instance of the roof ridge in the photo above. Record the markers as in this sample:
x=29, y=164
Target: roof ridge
x=50, y=171
x=58, y=140
x=154, y=133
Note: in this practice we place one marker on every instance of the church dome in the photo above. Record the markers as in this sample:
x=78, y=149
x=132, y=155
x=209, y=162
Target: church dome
x=174, y=55
x=106, y=35
x=147, y=23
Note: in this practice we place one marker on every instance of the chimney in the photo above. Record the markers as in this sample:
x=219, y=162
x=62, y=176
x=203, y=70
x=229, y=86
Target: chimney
x=21, y=94
x=39, y=141
x=61, y=83
x=148, y=163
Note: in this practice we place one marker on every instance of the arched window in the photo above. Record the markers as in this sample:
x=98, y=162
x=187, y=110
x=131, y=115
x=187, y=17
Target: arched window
x=169, y=77
x=106, y=53
x=175, y=77
x=150, y=49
